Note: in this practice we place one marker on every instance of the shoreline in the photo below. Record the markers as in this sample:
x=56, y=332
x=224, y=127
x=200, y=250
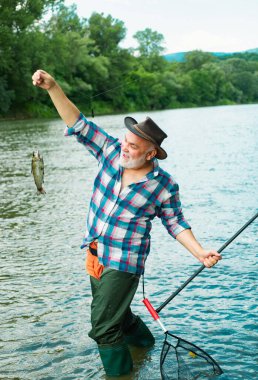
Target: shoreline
x=21, y=117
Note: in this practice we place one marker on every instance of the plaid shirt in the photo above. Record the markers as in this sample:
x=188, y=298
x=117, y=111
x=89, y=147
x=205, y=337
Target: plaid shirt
x=121, y=220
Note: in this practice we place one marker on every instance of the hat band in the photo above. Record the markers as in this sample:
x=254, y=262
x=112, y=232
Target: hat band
x=145, y=135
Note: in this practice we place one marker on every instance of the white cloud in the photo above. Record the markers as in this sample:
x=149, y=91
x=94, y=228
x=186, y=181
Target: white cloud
x=210, y=25
x=204, y=40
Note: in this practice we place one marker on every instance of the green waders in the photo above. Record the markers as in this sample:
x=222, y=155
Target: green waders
x=113, y=324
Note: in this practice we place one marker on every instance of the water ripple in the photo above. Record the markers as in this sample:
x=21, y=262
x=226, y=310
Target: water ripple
x=45, y=293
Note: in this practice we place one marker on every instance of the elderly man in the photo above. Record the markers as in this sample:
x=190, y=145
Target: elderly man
x=130, y=189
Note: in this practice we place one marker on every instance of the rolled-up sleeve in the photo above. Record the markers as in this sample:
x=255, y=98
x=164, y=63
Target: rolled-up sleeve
x=171, y=214
x=94, y=138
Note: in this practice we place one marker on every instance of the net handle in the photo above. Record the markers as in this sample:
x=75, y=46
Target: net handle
x=153, y=313
x=203, y=266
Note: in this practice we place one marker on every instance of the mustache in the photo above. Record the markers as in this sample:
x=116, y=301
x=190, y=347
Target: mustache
x=125, y=155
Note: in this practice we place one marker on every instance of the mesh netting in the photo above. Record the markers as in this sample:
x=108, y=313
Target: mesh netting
x=181, y=360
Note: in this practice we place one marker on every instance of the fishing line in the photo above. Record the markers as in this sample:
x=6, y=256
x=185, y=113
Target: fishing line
x=109, y=90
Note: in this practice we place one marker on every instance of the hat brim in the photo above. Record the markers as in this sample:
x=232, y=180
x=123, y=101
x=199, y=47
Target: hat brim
x=129, y=123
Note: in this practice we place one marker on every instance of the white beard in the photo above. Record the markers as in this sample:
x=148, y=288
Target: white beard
x=132, y=163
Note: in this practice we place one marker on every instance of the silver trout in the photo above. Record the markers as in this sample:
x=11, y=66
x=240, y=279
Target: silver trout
x=37, y=169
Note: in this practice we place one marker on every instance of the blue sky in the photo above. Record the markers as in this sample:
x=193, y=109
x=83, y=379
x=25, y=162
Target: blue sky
x=209, y=25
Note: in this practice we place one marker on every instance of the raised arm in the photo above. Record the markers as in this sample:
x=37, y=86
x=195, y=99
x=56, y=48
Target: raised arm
x=66, y=109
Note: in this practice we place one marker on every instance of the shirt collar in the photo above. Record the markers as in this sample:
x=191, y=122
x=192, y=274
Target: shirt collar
x=155, y=170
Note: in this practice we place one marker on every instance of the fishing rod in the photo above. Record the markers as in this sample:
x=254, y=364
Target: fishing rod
x=181, y=359
x=198, y=271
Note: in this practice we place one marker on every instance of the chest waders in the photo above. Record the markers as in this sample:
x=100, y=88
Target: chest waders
x=114, y=326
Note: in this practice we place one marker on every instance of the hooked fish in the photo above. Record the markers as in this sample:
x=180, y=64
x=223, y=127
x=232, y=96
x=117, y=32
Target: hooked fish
x=37, y=169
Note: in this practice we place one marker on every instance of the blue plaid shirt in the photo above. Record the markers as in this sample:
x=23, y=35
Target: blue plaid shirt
x=121, y=220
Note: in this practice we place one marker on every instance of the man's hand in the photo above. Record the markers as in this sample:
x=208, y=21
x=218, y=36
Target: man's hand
x=42, y=79
x=209, y=258
x=66, y=109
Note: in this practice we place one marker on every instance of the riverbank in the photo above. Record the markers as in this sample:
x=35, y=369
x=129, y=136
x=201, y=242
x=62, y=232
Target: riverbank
x=34, y=111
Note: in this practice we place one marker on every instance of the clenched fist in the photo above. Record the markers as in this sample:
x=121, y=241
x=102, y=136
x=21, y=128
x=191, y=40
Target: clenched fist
x=42, y=79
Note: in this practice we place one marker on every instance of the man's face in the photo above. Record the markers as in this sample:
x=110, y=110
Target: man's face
x=135, y=151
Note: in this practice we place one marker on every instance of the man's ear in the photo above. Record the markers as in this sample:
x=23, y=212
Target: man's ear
x=151, y=154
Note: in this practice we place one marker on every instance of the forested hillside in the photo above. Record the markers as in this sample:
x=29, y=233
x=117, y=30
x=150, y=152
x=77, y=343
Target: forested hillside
x=85, y=56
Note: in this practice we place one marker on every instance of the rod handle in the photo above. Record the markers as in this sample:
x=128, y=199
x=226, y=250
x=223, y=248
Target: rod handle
x=151, y=309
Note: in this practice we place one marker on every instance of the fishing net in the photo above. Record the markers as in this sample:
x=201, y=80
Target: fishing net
x=181, y=360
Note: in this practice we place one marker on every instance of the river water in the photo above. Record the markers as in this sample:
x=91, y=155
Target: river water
x=45, y=293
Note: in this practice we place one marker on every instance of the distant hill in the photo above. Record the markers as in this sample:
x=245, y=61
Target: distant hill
x=180, y=57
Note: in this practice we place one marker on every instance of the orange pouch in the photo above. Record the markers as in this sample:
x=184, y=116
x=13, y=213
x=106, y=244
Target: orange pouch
x=93, y=267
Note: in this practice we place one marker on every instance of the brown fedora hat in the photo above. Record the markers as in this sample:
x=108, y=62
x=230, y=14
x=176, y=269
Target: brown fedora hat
x=148, y=130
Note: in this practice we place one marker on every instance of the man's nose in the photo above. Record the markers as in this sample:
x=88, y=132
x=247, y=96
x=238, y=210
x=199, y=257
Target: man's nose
x=124, y=146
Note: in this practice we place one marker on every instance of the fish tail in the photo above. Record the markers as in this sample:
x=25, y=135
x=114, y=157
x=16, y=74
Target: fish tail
x=41, y=191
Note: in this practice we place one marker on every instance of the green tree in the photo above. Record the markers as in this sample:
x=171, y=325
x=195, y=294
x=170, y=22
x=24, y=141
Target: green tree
x=106, y=32
x=86, y=58
x=186, y=92
x=242, y=75
x=150, y=42
x=17, y=18
x=247, y=83
x=196, y=59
